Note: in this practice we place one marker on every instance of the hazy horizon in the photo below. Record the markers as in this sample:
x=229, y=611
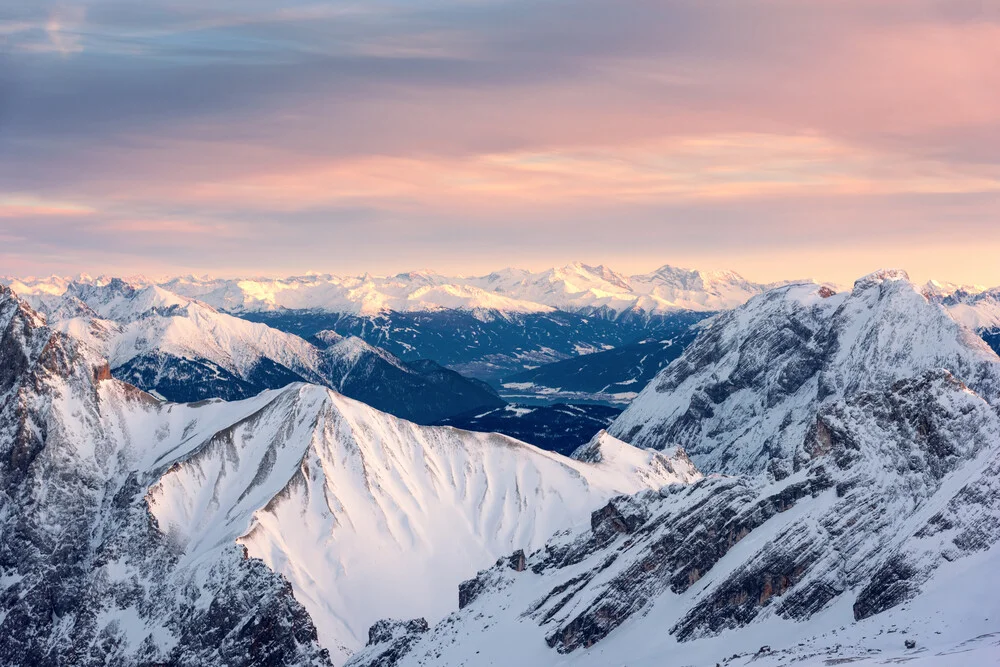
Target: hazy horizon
x=270, y=275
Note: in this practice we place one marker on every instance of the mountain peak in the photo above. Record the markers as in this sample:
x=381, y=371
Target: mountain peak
x=740, y=398
x=881, y=276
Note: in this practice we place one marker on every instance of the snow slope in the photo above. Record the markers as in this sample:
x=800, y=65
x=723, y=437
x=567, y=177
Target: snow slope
x=366, y=514
x=361, y=512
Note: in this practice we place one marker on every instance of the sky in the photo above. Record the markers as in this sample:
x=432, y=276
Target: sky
x=779, y=138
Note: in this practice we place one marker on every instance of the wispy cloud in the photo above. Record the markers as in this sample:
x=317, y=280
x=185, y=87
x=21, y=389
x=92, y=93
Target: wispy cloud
x=30, y=207
x=63, y=28
x=60, y=32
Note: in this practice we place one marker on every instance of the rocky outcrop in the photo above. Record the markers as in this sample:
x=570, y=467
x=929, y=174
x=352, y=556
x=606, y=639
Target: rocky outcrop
x=388, y=630
x=389, y=640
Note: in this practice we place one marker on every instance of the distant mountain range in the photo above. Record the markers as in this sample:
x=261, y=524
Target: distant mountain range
x=184, y=350
x=529, y=342
x=573, y=288
x=489, y=327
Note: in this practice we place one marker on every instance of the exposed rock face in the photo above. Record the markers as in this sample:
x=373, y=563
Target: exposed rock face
x=389, y=640
x=388, y=630
x=468, y=591
x=516, y=562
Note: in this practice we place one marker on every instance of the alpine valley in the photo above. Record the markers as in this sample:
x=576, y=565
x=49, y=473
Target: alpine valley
x=703, y=471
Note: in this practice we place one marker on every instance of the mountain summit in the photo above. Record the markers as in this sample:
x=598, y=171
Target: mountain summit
x=745, y=394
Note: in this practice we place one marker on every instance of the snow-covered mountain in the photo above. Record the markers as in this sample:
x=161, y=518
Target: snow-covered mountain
x=272, y=530
x=184, y=350
x=873, y=536
x=575, y=287
x=850, y=508
x=744, y=396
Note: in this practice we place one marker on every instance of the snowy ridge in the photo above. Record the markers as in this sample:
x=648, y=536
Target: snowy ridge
x=657, y=468
x=340, y=499
x=363, y=504
x=575, y=287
